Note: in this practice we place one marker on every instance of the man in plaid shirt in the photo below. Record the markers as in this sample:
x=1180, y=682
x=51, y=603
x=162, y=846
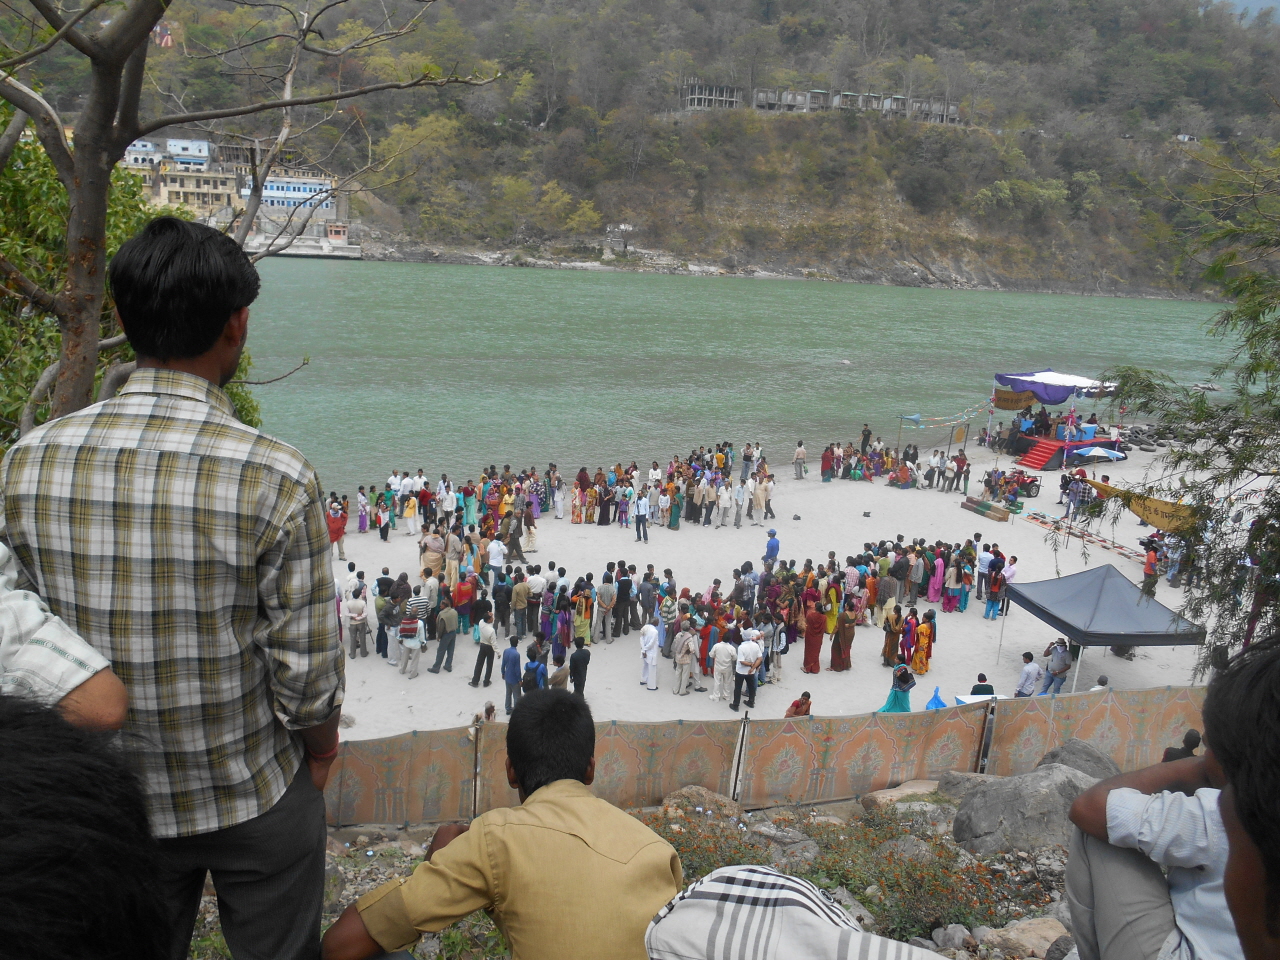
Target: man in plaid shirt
x=191, y=551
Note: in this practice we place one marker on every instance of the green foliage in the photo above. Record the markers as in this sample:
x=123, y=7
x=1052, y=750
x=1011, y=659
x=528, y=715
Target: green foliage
x=247, y=410
x=705, y=844
x=1029, y=200
x=33, y=209
x=1225, y=465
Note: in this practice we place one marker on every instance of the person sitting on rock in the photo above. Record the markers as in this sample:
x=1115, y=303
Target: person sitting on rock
x=561, y=840
x=1145, y=871
x=1242, y=726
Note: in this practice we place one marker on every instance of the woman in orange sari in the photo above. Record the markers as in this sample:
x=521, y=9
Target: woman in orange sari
x=893, y=626
x=926, y=633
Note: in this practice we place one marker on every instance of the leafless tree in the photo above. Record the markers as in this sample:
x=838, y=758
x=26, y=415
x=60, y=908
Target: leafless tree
x=116, y=51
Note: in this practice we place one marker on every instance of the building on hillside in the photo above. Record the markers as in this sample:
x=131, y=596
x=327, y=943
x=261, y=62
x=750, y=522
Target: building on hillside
x=286, y=197
x=696, y=94
x=143, y=153
x=189, y=154
x=209, y=193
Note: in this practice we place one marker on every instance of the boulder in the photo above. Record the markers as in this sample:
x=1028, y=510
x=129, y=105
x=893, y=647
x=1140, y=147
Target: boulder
x=885, y=798
x=690, y=798
x=1084, y=756
x=951, y=937
x=980, y=933
x=907, y=848
x=783, y=835
x=956, y=784
x=923, y=944
x=1060, y=948
x=1061, y=911
x=1025, y=812
x=1027, y=938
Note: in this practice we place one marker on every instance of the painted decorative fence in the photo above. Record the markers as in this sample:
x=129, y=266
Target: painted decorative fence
x=1132, y=726
x=437, y=775
x=812, y=759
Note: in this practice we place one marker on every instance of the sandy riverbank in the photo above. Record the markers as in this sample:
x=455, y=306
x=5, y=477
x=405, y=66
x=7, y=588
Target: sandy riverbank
x=384, y=703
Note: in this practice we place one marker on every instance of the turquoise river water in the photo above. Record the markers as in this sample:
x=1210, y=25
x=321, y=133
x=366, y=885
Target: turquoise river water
x=453, y=367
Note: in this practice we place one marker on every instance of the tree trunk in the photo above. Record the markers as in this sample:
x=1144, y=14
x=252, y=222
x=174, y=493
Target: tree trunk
x=81, y=298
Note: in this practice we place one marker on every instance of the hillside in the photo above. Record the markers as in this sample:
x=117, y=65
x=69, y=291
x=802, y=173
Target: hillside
x=1058, y=175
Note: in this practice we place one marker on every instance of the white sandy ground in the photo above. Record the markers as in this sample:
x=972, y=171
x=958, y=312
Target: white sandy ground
x=383, y=702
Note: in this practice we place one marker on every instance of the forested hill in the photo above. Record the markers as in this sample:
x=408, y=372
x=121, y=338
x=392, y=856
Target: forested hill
x=1058, y=176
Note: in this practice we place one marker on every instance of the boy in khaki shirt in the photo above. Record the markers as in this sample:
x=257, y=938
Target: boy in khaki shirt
x=561, y=840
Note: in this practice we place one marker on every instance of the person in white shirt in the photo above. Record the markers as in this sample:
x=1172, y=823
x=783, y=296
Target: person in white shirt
x=685, y=650
x=655, y=475
x=1102, y=684
x=442, y=487
x=798, y=460
x=649, y=650
x=1146, y=865
x=725, y=503
x=664, y=509
x=497, y=554
x=1031, y=674
x=642, y=514
x=358, y=624
x=723, y=656
x=749, y=658
x=1010, y=573
x=984, y=571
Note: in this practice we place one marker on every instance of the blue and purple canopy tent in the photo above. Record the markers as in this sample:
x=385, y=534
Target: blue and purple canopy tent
x=1053, y=388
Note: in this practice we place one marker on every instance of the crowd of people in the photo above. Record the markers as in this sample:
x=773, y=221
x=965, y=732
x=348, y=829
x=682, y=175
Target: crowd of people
x=733, y=635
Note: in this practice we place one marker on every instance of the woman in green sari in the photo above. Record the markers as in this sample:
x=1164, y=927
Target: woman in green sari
x=677, y=507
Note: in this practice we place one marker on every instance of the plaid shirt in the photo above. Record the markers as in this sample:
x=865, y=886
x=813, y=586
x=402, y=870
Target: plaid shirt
x=192, y=551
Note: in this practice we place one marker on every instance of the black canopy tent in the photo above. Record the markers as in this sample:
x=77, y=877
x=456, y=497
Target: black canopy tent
x=1102, y=607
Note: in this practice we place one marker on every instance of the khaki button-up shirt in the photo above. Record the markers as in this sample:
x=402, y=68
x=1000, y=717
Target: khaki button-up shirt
x=562, y=845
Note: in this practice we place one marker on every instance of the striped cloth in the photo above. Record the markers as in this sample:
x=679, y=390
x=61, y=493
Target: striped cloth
x=191, y=551
x=754, y=913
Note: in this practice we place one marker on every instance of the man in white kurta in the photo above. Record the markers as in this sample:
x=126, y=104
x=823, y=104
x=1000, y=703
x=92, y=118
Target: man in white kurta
x=649, y=650
x=723, y=656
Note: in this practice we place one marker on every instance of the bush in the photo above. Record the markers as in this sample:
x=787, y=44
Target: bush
x=926, y=188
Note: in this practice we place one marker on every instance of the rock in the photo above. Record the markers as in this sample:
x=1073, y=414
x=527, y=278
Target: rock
x=922, y=944
x=336, y=848
x=834, y=821
x=1026, y=812
x=782, y=835
x=951, y=937
x=981, y=933
x=690, y=798
x=1061, y=911
x=956, y=784
x=335, y=887
x=845, y=809
x=805, y=850
x=348, y=721
x=866, y=919
x=921, y=808
x=884, y=798
x=906, y=848
x=1059, y=949
x=1083, y=756
x=1028, y=938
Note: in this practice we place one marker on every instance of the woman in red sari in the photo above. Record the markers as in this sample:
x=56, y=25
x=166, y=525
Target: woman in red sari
x=815, y=628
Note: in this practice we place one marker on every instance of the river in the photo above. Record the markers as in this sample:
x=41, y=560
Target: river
x=453, y=367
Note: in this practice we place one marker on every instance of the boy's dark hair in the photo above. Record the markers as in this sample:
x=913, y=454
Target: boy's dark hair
x=1242, y=725
x=551, y=737
x=176, y=284
x=78, y=865
x=513, y=640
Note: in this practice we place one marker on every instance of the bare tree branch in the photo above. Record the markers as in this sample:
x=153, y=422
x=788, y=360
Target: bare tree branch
x=130, y=93
x=12, y=134
x=53, y=41
x=90, y=48
x=39, y=393
x=426, y=80
x=21, y=286
x=114, y=378
x=48, y=125
x=263, y=383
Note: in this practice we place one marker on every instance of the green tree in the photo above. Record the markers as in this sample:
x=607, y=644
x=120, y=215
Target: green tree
x=1226, y=468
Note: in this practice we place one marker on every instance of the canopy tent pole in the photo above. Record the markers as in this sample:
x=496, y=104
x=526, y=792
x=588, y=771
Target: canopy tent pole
x=1000, y=645
x=1079, y=664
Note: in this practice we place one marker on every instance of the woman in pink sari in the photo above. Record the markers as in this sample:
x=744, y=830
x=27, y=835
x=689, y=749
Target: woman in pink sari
x=935, y=581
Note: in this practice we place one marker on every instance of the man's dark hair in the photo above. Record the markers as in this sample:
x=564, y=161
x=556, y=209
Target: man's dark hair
x=1242, y=724
x=1191, y=739
x=78, y=865
x=1028, y=656
x=551, y=737
x=176, y=284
